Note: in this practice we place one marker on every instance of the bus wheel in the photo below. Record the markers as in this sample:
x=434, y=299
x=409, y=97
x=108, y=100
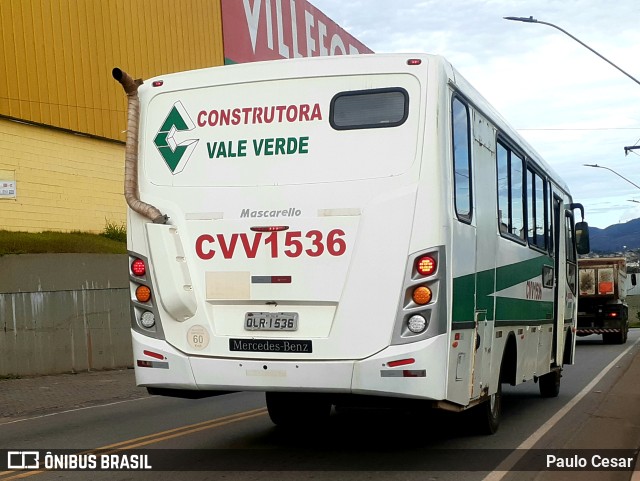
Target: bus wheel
x=292, y=409
x=486, y=416
x=549, y=384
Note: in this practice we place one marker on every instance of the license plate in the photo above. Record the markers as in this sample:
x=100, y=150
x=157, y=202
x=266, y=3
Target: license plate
x=271, y=321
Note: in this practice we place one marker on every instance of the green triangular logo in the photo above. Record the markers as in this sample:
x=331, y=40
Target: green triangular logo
x=174, y=119
x=175, y=154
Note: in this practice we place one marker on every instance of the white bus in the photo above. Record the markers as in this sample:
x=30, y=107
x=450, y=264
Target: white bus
x=331, y=229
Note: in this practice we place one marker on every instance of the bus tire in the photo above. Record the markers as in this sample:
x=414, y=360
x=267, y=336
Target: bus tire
x=549, y=384
x=293, y=409
x=486, y=416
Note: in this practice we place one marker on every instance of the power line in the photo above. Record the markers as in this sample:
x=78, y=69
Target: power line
x=583, y=129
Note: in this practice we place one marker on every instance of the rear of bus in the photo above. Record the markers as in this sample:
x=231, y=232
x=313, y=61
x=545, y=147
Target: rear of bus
x=289, y=262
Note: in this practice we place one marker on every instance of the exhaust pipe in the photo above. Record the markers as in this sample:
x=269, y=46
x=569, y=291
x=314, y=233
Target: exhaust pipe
x=131, y=150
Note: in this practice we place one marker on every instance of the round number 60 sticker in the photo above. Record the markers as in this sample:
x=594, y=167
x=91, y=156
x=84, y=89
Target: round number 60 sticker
x=198, y=337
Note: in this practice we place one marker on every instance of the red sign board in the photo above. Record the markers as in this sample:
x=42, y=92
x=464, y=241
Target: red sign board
x=274, y=29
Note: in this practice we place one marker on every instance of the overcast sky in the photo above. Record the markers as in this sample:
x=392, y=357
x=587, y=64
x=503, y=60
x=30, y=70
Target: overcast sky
x=570, y=105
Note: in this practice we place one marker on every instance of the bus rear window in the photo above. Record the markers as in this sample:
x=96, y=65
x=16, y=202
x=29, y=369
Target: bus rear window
x=369, y=109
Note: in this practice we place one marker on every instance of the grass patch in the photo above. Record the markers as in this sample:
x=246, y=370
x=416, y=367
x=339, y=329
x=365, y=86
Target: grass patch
x=59, y=242
x=116, y=232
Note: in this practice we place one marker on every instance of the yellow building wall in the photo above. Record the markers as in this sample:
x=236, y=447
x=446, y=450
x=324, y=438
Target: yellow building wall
x=64, y=182
x=56, y=56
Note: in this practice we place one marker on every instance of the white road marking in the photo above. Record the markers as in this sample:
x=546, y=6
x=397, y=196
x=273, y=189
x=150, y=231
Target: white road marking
x=74, y=410
x=546, y=427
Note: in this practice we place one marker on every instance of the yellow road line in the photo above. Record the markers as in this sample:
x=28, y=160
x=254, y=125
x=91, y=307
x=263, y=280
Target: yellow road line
x=204, y=425
x=194, y=430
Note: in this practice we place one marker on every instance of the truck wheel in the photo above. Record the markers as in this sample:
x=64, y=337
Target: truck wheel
x=620, y=337
x=292, y=409
x=615, y=337
x=549, y=384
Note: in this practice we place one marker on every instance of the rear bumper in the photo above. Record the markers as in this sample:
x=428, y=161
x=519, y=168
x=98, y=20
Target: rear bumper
x=598, y=330
x=423, y=379
x=600, y=325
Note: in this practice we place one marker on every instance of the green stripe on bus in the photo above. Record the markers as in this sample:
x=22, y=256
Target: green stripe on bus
x=519, y=272
x=523, y=310
x=464, y=298
x=467, y=296
x=484, y=290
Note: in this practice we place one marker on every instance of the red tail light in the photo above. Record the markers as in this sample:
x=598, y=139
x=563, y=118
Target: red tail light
x=426, y=265
x=138, y=268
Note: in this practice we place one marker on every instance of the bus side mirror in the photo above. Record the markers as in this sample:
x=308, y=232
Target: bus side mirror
x=633, y=279
x=582, y=238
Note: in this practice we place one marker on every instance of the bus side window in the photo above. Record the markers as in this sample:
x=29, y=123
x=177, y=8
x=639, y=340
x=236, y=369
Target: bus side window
x=510, y=180
x=461, y=159
x=536, y=210
x=502, y=160
x=516, y=197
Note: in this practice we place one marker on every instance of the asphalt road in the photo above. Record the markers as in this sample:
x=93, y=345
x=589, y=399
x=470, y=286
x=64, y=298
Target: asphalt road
x=230, y=436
